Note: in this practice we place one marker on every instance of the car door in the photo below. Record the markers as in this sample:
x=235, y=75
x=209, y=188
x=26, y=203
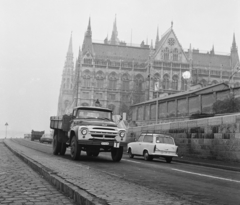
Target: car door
x=147, y=143
x=137, y=145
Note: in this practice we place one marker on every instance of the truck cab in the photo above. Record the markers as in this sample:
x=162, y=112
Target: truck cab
x=90, y=129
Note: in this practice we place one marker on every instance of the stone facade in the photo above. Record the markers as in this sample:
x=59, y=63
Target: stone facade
x=119, y=74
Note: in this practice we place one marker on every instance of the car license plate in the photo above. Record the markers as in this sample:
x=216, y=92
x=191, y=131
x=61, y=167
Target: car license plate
x=104, y=143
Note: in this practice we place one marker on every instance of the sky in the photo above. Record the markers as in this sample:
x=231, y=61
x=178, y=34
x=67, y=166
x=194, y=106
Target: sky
x=34, y=38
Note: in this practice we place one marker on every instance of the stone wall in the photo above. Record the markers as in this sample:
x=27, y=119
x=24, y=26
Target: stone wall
x=213, y=138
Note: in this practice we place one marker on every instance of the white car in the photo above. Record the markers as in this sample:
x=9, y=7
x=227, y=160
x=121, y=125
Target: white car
x=150, y=145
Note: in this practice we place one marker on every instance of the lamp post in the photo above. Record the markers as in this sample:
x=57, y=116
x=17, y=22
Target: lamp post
x=186, y=76
x=6, y=130
x=231, y=77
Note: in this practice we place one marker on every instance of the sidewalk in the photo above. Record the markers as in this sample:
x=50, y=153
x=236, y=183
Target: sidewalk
x=20, y=185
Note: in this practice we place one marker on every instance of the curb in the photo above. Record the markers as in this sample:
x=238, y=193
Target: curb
x=78, y=195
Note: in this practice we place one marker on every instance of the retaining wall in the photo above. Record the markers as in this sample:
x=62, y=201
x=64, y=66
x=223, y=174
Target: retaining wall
x=212, y=138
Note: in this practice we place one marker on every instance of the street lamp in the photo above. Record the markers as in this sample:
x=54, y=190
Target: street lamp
x=6, y=130
x=186, y=76
x=230, y=78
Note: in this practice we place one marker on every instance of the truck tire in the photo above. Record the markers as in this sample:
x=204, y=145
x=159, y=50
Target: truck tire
x=75, y=148
x=117, y=154
x=56, y=145
x=63, y=148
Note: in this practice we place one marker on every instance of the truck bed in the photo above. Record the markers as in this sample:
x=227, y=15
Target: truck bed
x=60, y=122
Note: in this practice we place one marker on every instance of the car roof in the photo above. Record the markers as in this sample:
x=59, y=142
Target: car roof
x=149, y=133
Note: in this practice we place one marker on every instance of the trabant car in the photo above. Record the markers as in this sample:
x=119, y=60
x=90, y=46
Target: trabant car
x=151, y=145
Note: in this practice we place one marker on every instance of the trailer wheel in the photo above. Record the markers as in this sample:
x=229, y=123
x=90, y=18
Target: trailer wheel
x=56, y=145
x=63, y=148
x=75, y=148
x=117, y=154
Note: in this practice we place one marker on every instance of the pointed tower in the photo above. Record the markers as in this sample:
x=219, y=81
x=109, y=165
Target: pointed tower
x=66, y=89
x=87, y=42
x=234, y=52
x=212, y=51
x=157, y=40
x=76, y=88
x=114, y=38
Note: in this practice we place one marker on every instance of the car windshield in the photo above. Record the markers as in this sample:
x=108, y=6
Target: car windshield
x=164, y=139
x=94, y=114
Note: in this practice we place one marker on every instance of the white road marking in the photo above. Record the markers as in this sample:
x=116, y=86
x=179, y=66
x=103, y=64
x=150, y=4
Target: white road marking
x=205, y=175
x=132, y=161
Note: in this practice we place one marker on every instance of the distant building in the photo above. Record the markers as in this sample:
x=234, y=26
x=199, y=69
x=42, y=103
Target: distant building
x=120, y=74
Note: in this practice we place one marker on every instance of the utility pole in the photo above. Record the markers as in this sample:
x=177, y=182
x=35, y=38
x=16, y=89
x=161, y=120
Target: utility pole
x=6, y=130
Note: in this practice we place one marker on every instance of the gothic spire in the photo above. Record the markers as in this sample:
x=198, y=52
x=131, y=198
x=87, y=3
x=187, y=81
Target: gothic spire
x=234, y=52
x=212, y=51
x=157, y=40
x=87, y=42
x=234, y=45
x=70, y=50
x=114, y=38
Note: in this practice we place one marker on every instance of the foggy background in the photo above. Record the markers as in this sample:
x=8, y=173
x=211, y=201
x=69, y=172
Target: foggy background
x=34, y=39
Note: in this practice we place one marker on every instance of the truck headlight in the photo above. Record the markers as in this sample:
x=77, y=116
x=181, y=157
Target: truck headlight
x=84, y=131
x=122, y=134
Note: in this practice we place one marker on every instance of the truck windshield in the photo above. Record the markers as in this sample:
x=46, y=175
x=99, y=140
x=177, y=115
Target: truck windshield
x=94, y=114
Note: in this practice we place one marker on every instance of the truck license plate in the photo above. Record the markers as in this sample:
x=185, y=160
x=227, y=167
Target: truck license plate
x=104, y=143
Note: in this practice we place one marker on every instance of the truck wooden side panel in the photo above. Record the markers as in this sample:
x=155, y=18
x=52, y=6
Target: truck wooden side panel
x=62, y=122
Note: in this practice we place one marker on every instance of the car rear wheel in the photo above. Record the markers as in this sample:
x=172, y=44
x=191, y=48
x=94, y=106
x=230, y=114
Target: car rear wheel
x=146, y=156
x=168, y=159
x=75, y=148
x=130, y=153
x=56, y=145
x=117, y=154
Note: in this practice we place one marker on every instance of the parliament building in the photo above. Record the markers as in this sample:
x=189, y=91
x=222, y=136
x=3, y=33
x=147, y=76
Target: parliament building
x=119, y=74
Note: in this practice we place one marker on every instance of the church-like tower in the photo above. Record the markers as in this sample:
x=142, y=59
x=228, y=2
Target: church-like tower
x=66, y=89
x=234, y=53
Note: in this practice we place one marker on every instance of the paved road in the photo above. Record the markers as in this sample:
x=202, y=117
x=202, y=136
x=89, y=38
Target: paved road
x=20, y=185
x=189, y=183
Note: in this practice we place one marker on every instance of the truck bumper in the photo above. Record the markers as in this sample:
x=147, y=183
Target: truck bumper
x=100, y=143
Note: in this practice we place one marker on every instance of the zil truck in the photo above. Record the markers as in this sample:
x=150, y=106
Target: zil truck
x=89, y=129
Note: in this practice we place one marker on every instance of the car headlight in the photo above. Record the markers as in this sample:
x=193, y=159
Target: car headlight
x=84, y=131
x=122, y=134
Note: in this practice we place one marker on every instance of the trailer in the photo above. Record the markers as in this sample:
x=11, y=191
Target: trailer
x=36, y=135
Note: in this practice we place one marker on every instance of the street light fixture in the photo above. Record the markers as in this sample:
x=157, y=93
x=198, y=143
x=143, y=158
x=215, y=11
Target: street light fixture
x=230, y=78
x=6, y=130
x=186, y=76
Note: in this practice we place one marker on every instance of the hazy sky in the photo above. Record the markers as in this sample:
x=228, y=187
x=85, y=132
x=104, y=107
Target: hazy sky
x=34, y=38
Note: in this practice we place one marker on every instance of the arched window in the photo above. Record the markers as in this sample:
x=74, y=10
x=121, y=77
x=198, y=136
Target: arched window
x=138, y=81
x=99, y=79
x=175, y=82
x=166, y=54
x=165, y=82
x=175, y=54
x=214, y=82
x=203, y=82
x=86, y=78
x=112, y=81
x=126, y=82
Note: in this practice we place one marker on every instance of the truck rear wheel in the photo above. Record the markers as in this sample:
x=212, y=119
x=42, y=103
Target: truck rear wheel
x=56, y=145
x=117, y=154
x=75, y=148
x=63, y=148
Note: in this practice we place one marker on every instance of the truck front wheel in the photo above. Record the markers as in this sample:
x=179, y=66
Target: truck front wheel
x=75, y=148
x=56, y=145
x=117, y=154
